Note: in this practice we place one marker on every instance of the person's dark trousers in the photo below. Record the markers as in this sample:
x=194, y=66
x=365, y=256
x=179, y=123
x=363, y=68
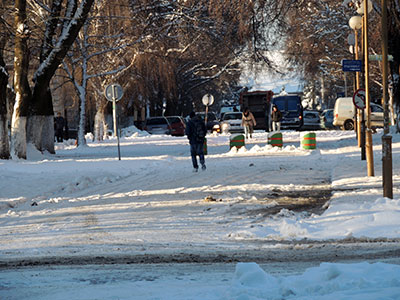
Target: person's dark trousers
x=197, y=149
x=59, y=136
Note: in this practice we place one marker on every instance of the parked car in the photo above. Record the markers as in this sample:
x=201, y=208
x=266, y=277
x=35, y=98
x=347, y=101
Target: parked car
x=157, y=125
x=177, y=125
x=228, y=108
x=212, y=121
x=311, y=120
x=326, y=119
x=232, y=122
x=377, y=117
x=344, y=111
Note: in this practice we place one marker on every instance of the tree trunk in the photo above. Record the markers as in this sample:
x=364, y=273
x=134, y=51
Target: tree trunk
x=4, y=140
x=100, y=127
x=21, y=85
x=41, y=108
x=40, y=124
x=82, y=116
x=393, y=48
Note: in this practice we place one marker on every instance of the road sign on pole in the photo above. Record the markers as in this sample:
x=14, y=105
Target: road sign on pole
x=374, y=57
x=208, y=100
x=351, y=65
x=359, y=99
x=114, y=92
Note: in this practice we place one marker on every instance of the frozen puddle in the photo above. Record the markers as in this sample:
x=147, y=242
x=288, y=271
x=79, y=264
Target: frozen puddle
x=308, y=201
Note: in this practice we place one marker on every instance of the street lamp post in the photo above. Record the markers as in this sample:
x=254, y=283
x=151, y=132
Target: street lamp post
x=386, y=138
x=364, y=9
x=356, y=23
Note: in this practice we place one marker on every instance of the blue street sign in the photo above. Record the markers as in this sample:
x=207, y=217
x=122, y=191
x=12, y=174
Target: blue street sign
x=351, y=65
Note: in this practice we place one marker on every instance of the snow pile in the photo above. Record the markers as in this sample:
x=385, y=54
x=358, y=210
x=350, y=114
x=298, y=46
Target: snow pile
x=377, y=219
x=360, y=281
x=133, y=131
x=256, y=149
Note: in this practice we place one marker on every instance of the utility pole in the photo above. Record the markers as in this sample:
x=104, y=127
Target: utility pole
x=386, y=138
x=368, y=142
x=360, y=112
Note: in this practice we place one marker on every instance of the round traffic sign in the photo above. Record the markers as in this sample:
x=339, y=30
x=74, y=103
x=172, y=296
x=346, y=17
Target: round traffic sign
x=359, y=99
x=208, y=99
x=113, y=92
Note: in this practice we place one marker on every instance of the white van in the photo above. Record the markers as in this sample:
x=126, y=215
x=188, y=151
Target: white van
x=343, y=114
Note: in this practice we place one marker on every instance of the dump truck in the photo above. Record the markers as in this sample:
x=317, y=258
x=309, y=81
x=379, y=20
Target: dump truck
x=259, y=103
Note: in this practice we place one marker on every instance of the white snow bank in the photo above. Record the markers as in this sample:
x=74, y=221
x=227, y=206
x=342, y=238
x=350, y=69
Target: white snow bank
x=359, y=281
x=133, y=131
x=366, y=219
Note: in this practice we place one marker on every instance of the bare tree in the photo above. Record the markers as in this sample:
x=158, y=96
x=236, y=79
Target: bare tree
x=197, y=45
x=33, y=111
x=4, y=37
x=394, y=46
x=316, y=42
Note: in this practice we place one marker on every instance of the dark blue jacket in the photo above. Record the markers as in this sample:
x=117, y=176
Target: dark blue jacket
x=190, y=130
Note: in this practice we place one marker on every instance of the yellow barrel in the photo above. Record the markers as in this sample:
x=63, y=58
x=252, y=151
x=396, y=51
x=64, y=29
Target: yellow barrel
x=236, y=141
x=308, y=141
x=275, y=139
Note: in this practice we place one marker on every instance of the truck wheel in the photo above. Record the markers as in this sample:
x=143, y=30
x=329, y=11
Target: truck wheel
x=348, y=125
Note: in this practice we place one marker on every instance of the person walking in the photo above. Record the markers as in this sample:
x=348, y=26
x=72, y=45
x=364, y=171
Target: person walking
x=59, y=123
x=248, y=123
x=196, y=133
x=276, y=117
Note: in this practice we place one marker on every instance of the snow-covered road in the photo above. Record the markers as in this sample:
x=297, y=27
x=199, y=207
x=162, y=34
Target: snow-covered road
x=262, y=204
x=84, y=201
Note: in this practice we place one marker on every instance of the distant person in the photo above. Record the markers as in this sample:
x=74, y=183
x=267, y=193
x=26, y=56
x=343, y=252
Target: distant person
x=276, y=117
x=248, y=123
x=196, y=133
x=59, y=124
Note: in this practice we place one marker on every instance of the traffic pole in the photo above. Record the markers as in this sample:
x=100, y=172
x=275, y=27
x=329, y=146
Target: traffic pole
x=116, y=125
x=387, y=172
x=368, y=140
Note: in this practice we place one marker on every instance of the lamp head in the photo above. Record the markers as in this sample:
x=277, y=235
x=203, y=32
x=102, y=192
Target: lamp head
x=355, y=22
x=360, y=7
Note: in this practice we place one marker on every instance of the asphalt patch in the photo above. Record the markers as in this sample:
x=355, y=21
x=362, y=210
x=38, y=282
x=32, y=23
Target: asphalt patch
x=309, y=201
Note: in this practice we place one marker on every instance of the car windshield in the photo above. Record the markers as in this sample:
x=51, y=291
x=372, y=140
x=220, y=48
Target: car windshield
x=210, y=116
x=230, y=116
x=287, y=103
x=156, y=121
x=376, y=108
x=174, y=120
x=308, y=115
